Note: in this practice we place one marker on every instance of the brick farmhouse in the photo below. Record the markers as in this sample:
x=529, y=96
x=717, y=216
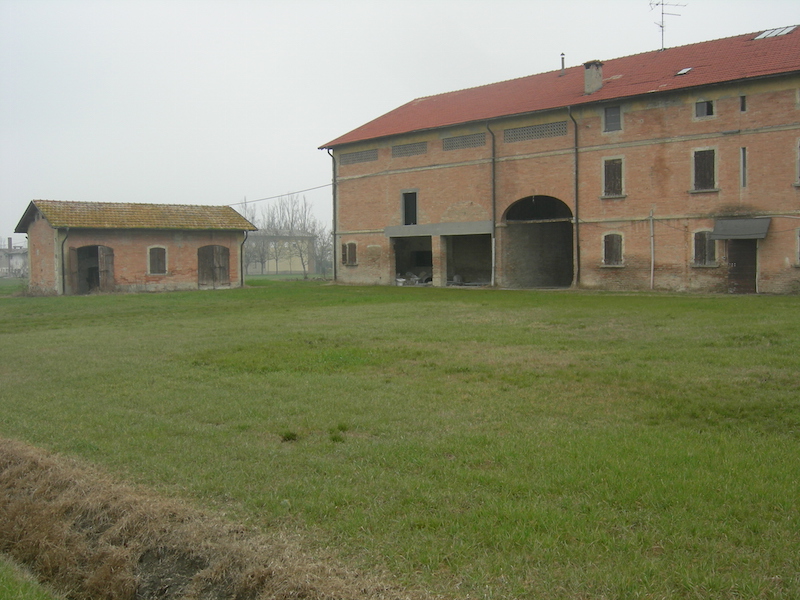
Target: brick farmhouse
x=676, y=169
x=80, y=247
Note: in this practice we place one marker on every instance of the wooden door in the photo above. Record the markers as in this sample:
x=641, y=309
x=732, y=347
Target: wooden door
x=105, y=261
x=742, y=266
x=213, y=266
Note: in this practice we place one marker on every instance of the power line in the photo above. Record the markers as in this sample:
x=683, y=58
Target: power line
x=319, y=187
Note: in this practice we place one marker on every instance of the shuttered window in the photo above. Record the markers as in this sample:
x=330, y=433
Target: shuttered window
x=612, y=177
x=704, y=167
x=613, y=119
x=705, y=249
x=704, y=108
x=612, y=249
x=349, y=254
x=158, y=261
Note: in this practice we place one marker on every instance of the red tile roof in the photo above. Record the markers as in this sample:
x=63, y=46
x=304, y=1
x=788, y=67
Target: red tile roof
x=713, y=62
x=114, y=215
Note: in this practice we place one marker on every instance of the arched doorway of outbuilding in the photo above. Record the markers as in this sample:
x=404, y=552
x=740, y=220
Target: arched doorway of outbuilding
x=91, y=268
x=537, y=243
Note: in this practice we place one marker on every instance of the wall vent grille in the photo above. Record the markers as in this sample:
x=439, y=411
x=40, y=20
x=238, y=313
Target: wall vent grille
x=464, y=141
x=409, y=149
x=535, y=132
x=352, y=158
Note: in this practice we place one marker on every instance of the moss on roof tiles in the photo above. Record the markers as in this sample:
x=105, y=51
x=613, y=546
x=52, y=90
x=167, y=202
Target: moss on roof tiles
x=114, y=215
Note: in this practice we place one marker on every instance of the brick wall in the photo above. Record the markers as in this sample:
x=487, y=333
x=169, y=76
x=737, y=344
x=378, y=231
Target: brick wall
x=656, y=145
x=131, y=257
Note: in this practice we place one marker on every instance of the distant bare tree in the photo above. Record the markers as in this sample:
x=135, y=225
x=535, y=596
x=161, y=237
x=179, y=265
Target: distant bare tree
x=287, y=229
x=273, y=222
x=300, y=222
x=323, y=248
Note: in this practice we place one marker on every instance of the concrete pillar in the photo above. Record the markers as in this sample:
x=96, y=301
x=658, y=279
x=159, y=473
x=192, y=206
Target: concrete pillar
x=439, y=252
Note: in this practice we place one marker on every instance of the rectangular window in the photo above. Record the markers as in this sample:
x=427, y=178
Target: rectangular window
x=798, y=164
x=704, y=170
x=158, y=261
x=743, y=167
x=705, y=249
x=349, y=254
x=409, y=208
x=704, y=108
x=743, y=103
x=464, y=141
x=612, y=249
x=612, y=177
x=613, y=119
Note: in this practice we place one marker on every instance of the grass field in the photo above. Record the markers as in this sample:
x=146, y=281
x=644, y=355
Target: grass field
x=17, y=584
x=477, y=443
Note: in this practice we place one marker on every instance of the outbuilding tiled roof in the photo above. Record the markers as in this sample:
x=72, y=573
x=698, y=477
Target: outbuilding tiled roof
x=726, y=60
x=118, y=215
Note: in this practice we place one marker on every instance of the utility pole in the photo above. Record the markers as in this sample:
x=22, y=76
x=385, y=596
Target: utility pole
x=662, y=23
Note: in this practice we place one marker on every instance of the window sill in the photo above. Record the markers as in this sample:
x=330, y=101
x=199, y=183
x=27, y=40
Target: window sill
x=708, y=266
x=614, y=197
x=708, y=191
x=612, y=266
x=797, y=185
x=350, y=265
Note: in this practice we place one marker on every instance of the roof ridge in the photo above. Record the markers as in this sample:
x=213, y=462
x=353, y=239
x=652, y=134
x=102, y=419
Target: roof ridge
x=625, y=56
x=732, y=58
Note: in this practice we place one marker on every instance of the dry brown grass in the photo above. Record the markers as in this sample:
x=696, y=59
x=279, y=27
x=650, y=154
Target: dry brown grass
x=93, y=538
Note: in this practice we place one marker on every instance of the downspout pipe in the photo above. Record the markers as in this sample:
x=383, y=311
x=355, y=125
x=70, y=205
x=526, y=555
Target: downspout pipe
x=494, y=205
x=63, y=264
x=577, y=202
x=333, y=212
x=242, y=266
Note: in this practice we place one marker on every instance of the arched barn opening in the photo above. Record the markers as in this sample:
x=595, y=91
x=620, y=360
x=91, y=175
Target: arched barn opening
x=538, y=243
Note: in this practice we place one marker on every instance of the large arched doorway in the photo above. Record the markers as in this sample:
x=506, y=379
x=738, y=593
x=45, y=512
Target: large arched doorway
x=538, y=243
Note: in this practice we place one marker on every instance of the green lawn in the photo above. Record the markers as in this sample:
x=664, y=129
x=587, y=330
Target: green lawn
x=478, y=443
x=18, y=584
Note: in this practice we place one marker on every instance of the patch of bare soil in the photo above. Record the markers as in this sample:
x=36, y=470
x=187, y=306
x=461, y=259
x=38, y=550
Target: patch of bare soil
x=92, y=538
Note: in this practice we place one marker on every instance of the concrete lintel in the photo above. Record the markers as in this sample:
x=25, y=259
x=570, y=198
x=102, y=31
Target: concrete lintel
x=431, y=229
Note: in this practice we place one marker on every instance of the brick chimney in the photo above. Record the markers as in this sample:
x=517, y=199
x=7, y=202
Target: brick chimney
x=592, y=76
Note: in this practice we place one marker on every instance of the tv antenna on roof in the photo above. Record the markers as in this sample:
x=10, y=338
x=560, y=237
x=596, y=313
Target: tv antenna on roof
x=662, y=24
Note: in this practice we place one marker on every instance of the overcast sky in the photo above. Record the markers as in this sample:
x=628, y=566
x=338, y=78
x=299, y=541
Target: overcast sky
x=215, y=101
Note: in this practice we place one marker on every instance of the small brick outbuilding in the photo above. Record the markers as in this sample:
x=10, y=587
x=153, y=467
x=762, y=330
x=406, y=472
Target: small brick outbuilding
x=80, y=247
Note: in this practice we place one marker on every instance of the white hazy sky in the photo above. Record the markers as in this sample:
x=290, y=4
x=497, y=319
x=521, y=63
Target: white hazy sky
x=215, y=101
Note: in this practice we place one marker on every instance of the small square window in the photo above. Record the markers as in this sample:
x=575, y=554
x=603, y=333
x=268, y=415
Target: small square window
x=704, y=108
x=613, y=119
